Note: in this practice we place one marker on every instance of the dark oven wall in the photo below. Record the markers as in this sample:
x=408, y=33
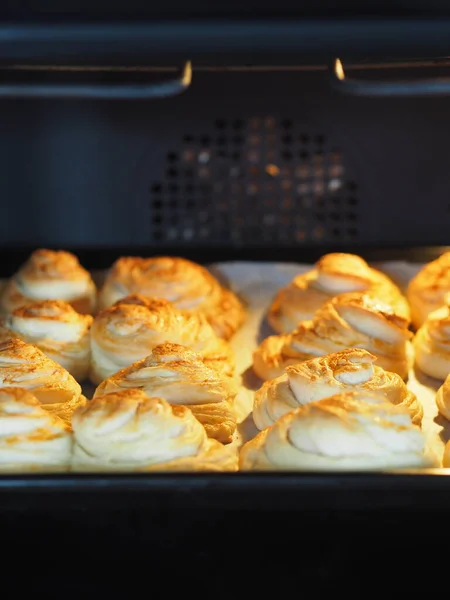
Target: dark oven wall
x=241, y=160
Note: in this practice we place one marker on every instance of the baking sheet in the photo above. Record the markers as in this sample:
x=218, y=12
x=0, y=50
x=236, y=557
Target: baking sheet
x=256, y=284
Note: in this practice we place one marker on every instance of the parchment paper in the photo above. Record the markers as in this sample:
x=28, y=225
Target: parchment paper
x=256, y=284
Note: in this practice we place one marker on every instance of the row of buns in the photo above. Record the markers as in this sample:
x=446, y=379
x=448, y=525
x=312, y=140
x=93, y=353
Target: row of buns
x=337, y=412
x=339, y=273
x=130, y=431
x=340, y=303
x=58, y=275
x=125, y=430
x=153, y=339
x=343, y=302
x=97, y=347
x=169, y=412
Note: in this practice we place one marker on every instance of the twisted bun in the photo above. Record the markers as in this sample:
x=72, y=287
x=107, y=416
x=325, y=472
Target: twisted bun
x=50, y=275
x=184, y=283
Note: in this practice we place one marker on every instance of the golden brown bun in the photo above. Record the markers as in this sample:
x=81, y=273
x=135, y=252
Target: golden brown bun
x=57, y=329
x=353, y=320
x=350, y=370
x=186, y=284
x=23, y=365
x=180, y=376
x=50, y=275
x=31, y=439
x=432, y=344
x=129, y=430
x=129, y=330
x=443, y=398
x=427, y=291
x=350, y=431
x=332, y=275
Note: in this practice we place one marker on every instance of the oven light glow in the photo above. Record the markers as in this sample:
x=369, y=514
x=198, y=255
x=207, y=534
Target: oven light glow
x=339, y=70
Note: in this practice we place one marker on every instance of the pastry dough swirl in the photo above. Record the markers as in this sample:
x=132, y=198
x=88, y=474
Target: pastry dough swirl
x=131, y=328
x=443, y=398
x=180, y=376
x=353, y=320
x=129, y=430
x=24, y=365
x=345, y=371
x=349, y=431
x=427, y=291
x=50, y=275
x=31, y=439
x=58, y=330
x=432, y=344
x=187, y=285
x=332, y=275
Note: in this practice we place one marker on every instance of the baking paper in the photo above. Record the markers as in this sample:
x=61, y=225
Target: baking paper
x=256, y=283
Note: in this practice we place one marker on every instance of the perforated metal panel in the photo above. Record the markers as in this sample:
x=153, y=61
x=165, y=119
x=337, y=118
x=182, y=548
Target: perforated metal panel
x=254, y=164
x=254, y=181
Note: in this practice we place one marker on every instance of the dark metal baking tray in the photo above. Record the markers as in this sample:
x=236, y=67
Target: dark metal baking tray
x=232, y=491
x=367, y=491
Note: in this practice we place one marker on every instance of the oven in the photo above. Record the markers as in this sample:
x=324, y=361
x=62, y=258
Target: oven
x=239, y=137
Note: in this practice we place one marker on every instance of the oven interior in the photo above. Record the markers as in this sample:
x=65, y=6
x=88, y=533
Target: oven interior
x=261, y=157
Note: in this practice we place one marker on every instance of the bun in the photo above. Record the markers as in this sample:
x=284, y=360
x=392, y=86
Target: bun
x=353, y=320
x=332, y=275
x=432, y=344
x=427, y=291
x=129, y=330
x=129, y=430
x=31, y=439
x=50, y=275
x=180, y=376
x=58, y=330
x=345, y=371
x=443, y=398
x=186, y=284
x=344, y=432
x=25, y=366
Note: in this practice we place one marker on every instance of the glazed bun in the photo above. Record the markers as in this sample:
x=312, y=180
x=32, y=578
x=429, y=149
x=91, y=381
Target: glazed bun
x=24, y=365
x=353, y=320
x=432, y=344
x=427, y=291
x=58, y=330
x=345, y=432
x=181, y=377
x=128, y=331
x=184, y=283
x=31, y=439
x=443, y=398
x=50, y=275
x=332, y=275
x=129, y=430
x=350, y=370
